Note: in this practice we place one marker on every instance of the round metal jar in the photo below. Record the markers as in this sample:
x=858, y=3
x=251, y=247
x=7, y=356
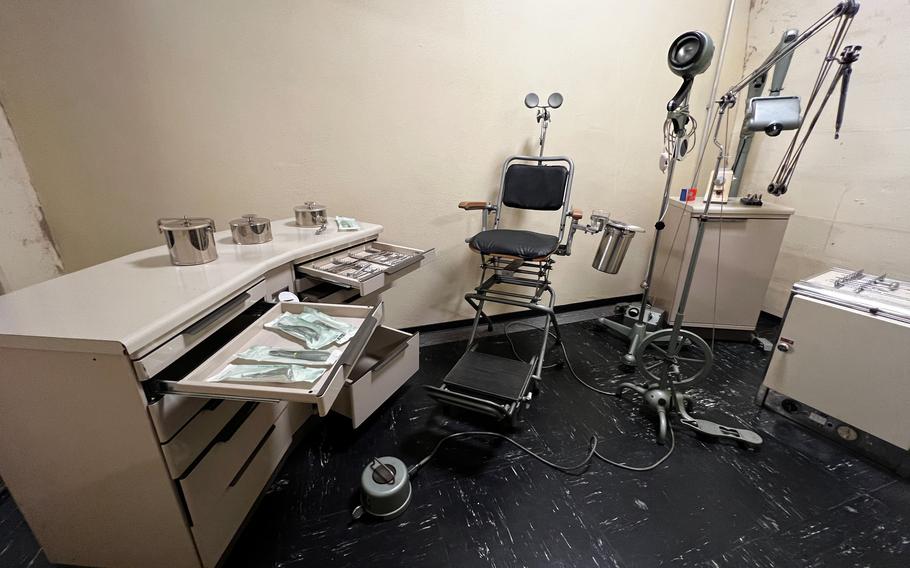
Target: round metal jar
x=189, y=240
x=251, y=230
x=310, y=214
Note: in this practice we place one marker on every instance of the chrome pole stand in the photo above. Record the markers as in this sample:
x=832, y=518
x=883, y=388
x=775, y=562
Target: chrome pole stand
x=638, y=332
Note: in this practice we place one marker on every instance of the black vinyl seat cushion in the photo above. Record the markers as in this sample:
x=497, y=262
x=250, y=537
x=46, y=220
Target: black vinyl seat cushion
x=522, y=244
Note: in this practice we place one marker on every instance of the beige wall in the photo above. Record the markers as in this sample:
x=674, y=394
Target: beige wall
x=851, y=195
x=387, y=111
x=27, y=253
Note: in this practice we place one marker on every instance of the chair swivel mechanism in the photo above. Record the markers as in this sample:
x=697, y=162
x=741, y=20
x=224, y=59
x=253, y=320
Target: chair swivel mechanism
x=513, y=259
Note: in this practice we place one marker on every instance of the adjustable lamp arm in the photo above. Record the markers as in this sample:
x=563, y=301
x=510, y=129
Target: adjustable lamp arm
x=847, y=8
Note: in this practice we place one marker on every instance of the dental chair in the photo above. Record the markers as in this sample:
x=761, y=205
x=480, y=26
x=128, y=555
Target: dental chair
x=513, y=258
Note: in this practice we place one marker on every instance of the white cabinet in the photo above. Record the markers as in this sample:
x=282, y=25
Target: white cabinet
x=118, y=449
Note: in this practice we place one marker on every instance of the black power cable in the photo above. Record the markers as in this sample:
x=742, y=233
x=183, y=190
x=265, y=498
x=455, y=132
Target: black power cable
x=576, y=469
x=591, y=387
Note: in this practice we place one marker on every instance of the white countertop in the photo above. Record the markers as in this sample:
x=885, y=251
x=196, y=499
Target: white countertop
x=734, y=208
x=135, y=299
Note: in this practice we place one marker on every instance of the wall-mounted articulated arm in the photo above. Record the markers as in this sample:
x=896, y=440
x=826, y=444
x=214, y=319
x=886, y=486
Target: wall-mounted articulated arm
x=756, y=88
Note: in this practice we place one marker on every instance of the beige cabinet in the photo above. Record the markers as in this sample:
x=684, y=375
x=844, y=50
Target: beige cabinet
x=738, y=252
x=117, y=447
x=841, y=365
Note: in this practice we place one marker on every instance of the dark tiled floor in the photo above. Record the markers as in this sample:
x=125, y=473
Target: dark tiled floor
x=799, y=501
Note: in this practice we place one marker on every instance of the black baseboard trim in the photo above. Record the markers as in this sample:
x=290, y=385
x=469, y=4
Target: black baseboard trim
x=521, y=314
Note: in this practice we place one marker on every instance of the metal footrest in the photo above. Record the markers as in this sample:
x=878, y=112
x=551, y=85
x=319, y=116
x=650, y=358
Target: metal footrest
x=487, y=375
x=468, y=402
x=485, y=383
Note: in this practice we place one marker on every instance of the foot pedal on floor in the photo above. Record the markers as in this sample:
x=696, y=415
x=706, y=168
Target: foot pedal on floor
x=715, y=430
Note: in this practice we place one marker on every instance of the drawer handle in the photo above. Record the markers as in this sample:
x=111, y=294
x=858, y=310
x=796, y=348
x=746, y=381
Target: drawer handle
x=235, y=423
x=390, y=358
x=253, y=455
x=216, y=314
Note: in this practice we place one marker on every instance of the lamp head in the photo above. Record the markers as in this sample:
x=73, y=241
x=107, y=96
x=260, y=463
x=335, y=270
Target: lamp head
x=553, y=101
x=690, y=54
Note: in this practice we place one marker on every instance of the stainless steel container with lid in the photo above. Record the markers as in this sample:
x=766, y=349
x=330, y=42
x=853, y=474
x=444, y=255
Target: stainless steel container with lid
x=310, y=214
x=613, y=246
x=251, y=230
x=190, y=240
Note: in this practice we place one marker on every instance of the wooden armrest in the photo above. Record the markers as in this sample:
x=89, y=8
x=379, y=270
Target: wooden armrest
x=576, y=214
x=473, y=205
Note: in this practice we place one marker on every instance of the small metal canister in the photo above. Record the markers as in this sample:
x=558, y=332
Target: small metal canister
x=251, y=230
x=310, y=214
x=190, y=240
x=385, y=489
x=613, y=246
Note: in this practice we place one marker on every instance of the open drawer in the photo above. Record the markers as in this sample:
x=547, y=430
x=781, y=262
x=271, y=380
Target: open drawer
x=367, y=268
x=389, y=360
x=321, y=393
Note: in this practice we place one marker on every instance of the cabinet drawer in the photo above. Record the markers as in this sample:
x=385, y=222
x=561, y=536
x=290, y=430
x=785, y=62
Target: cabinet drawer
x=199, y=432
x=148, y=363
x=366, y=268
x=389, y=360
x=225, y=484
x=171, y=413
x=322, y=393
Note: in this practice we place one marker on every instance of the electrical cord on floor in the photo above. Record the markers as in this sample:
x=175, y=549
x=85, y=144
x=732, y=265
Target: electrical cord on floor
x=587, y=385
x=564, y=353
x=576, y=469
x=512, y=344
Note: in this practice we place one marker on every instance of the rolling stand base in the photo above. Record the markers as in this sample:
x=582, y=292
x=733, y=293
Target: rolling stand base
x=664, y=402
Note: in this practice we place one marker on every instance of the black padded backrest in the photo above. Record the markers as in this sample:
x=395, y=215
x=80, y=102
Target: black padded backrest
x=529, y=186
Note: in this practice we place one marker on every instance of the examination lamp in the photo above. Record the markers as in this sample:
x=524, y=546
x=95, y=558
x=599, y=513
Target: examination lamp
x=543, y=112
x=689, y=55
x=553, y=101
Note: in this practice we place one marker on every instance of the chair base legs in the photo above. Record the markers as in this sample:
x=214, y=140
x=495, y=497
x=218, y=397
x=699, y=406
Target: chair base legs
x=492, y=385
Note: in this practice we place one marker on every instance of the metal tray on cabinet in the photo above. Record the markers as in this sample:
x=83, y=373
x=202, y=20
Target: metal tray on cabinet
x=382, y=277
